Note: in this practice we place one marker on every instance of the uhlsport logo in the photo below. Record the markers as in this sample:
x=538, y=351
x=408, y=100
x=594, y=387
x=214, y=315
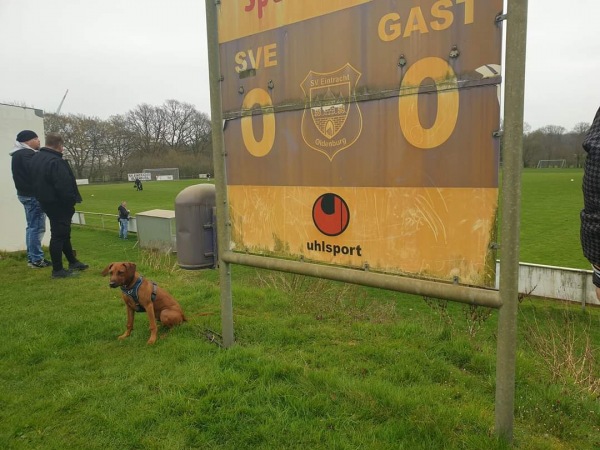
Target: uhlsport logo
x=332, y=120
x=331, y=216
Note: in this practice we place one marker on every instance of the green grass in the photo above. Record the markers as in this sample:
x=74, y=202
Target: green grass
x=316, y=364
x=550, y=206
x=106, y=198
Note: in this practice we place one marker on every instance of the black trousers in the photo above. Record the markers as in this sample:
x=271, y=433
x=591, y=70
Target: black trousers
x=60, y=235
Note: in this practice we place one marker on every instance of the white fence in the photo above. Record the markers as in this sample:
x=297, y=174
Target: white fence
x=560, y=283
x=104, y=221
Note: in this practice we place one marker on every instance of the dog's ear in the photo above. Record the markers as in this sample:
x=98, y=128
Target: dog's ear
x=106, y=270
x=130, y=270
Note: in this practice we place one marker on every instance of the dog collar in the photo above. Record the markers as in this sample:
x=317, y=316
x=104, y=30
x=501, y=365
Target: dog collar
x=133, y=293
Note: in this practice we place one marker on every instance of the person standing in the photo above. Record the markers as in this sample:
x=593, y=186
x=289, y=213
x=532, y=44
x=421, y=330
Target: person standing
x=26, y=145
x=55, y=188
x=590, y=215
x=123, y=220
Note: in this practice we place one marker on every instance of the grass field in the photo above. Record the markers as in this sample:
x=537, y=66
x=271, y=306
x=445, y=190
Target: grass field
x=317, y=364
x=550, y=205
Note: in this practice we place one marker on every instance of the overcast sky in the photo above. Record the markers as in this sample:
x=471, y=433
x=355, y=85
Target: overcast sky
x=113, y=55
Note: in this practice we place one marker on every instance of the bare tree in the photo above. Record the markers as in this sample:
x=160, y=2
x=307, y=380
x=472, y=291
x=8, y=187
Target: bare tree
x=201, y=135
x=533, y=148
x=79, y=143
x=120, y=142
x=581, y=128
x=178, y=123
x=579, y=132
x=148, y=123
x=96, y=138
x=56, y=123
x=553, y=140
x=72, y=129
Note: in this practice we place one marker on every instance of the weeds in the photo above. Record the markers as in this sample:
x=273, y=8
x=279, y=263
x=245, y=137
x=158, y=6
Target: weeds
x=440, y=307
x=475, y=316
x=158, y=260
x=327, y=299
x=566, y=349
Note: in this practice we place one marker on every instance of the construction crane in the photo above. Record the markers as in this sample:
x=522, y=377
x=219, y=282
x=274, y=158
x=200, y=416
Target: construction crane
x=61, y=102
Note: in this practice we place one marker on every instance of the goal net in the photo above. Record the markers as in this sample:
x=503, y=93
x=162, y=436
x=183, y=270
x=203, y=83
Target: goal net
x=163, y=174
x=552, y=163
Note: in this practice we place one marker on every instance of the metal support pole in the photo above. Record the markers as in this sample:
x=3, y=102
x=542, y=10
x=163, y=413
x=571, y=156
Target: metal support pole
x=219, y=155
x=516, y=38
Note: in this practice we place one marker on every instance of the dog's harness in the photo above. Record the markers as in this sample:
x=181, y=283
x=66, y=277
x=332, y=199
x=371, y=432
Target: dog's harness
x=133, y=293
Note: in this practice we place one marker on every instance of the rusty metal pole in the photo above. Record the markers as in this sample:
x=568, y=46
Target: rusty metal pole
x=219, y=155
x=516, y=39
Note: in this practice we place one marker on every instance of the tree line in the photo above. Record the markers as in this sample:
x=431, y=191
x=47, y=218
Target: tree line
x=173, y=134
x=554, y=142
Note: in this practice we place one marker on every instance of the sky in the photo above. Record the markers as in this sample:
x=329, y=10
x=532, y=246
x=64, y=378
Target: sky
x=113, y=55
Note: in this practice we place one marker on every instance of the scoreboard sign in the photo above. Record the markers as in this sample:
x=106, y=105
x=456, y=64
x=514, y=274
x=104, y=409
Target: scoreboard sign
x=362, y=132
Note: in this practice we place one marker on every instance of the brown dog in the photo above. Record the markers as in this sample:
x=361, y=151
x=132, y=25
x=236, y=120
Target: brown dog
x=141, y=294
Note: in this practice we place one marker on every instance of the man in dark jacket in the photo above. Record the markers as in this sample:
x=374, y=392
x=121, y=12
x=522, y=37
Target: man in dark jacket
x=25, y=147
x=590, y=215
x=55, y=188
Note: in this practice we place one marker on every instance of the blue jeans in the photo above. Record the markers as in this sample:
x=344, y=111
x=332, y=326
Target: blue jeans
x=36, y=227
x=123, y=228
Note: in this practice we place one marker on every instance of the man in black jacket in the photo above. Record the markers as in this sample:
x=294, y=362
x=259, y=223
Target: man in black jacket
x=25, y=147
x=590, y=215
x=55, y=188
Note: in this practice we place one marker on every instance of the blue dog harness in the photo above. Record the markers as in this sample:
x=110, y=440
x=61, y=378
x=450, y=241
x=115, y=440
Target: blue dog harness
x=133, y=293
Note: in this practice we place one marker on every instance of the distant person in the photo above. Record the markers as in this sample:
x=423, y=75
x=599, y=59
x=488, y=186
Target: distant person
x=123, y=220
x=55, y=188
x=590, y=215
x=26, y=145
x=138, y=185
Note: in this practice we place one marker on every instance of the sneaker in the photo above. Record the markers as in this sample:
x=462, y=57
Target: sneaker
x=78, y=266
x=39, y=264
x=62, y=273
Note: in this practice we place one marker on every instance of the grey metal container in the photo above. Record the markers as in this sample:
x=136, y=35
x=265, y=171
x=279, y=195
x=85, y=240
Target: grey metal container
x=196, y=239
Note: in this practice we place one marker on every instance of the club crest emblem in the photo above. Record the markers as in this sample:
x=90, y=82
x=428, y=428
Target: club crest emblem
x=332, y=120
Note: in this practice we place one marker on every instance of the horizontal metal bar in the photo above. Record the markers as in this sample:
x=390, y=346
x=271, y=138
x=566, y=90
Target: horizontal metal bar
x=365, y=96
x=458, y=293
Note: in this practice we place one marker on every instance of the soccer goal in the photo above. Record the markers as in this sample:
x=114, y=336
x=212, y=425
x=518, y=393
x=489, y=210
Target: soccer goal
x=552, y=164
